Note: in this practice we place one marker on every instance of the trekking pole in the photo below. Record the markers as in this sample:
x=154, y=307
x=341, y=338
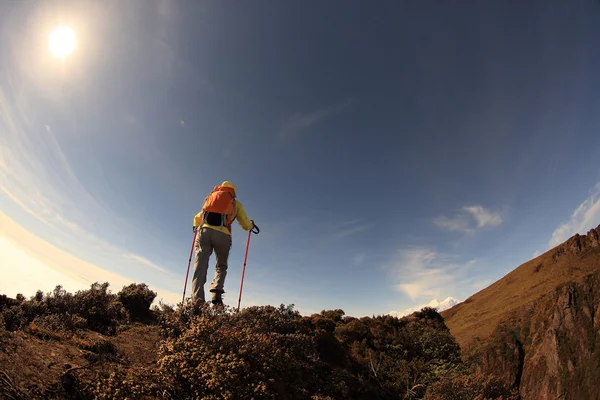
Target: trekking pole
x=188, y=267
x=245, y=259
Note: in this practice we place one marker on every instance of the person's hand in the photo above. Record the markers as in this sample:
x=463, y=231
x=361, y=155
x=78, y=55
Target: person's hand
x=254, y=229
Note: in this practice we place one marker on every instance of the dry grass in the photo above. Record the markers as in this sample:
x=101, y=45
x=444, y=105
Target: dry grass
x=474, y=320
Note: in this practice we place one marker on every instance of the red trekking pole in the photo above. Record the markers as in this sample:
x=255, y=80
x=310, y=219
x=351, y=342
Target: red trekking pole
x=245, y=258
x=188, y=267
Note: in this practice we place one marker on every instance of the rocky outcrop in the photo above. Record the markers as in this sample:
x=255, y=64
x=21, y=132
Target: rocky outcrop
x=550, y=349
x=503, y=359
x=577, y=244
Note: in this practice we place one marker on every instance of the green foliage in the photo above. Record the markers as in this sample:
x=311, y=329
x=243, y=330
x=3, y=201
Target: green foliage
x=137, y=299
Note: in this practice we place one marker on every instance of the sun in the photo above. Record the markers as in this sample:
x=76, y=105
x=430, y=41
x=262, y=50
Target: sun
x=62, y=42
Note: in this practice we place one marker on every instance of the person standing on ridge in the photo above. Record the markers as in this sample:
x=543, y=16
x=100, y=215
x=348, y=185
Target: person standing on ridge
x=213, y=226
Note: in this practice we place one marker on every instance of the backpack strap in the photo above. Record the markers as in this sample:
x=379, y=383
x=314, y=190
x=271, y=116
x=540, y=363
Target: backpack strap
x=234, y=209
x=204, y=204
x=233, y=214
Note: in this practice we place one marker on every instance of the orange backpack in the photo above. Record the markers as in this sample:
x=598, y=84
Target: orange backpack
x=219, y=206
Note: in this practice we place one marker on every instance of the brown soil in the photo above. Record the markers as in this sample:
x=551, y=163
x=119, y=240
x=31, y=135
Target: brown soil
x=40, y=363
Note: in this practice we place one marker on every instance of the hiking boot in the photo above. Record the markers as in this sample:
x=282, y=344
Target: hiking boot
x=217, y=298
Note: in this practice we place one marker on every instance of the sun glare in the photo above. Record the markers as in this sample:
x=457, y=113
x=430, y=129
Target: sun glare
x=62, y=42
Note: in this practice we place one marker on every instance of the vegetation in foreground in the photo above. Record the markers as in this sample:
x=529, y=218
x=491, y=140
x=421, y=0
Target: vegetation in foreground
x=218, y=353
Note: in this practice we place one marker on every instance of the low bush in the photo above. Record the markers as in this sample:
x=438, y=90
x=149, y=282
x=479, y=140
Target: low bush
x=137, y=299
x=470, y=387
x=261, y=352
x=95, y=308
x=270, y=352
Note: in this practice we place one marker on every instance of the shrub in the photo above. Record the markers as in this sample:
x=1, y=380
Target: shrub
x=261, y=352
x=61, y=322
x=137, y=299
x=39, y=296
x=470, y=387
x=336, y=315
x=256, y=353
x=95, y=308
x=3, y=332
x=13, y=318
x=100, y=308
x=7, y=302
x=163, y=308
x=354, y=331
x=129, y=383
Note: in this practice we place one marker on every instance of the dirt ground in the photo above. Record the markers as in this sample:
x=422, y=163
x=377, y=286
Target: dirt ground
x=40, y=364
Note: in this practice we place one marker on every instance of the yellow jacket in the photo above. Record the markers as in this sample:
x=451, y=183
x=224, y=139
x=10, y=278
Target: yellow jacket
x=240, y=215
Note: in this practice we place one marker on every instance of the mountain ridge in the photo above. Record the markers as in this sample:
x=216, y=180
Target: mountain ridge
x=538, y=328
x=479, y=314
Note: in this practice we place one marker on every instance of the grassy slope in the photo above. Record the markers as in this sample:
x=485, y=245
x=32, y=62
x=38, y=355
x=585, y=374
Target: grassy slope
x=479, y=315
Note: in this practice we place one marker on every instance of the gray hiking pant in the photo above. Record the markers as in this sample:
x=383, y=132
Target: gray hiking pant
x=207, y=241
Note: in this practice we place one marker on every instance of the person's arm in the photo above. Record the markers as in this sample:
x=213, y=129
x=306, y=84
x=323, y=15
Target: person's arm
x=197, y=220
x=242, y=218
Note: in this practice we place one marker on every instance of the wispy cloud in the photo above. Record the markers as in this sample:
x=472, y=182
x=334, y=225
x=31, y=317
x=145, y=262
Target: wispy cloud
x=585, y=217
x=459, y=224
x=134, y=258
x=30, y=263
x=469, y=220
x=302, y=121
x=358, y=259
x=36, y=174
x=342, y=229
x=352, y=230
x=422, y=272
x=483, y=216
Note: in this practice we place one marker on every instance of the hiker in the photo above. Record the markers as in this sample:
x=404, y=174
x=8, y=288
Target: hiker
x=213, y=232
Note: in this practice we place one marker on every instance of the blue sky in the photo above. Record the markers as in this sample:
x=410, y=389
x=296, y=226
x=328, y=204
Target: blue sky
x=390, y=155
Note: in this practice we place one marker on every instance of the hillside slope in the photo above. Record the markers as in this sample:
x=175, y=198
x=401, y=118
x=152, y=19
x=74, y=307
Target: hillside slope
x=550, y=349
x=474, y=320
x=537, y=329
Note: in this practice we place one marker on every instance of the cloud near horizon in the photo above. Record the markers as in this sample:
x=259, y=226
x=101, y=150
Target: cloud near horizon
x=585, y=217
x=469, y=220
x=422, y=273
x=440, y=306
